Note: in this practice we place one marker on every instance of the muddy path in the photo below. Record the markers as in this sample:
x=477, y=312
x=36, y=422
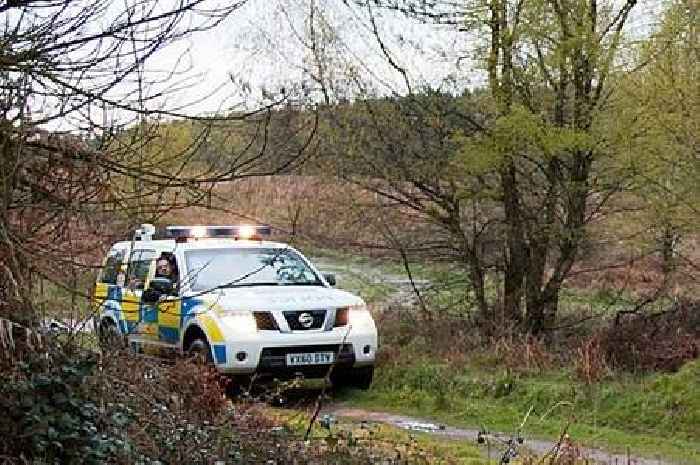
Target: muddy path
x=400, y=291
x=343, y=412
x=538, y=447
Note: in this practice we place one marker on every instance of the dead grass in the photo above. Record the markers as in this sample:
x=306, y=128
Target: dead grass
x=590, y=363
x=523, y=353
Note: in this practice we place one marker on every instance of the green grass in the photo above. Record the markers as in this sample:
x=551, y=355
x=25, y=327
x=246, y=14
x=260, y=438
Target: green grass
x=655, y=416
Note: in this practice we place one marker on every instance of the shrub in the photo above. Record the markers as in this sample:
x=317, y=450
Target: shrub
x=198, y=389
x=49, y=416
x=657, y=342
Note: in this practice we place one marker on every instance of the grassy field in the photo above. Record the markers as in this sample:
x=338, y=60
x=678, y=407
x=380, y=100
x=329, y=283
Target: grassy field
x=652, y=415
x=655, y=416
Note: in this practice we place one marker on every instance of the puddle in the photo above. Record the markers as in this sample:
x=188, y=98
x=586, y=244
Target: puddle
x=536, y=446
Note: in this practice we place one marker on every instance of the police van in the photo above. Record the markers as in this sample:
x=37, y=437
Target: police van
x=246, y=305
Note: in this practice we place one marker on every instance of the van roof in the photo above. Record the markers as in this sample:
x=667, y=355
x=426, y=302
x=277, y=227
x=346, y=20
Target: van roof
x=170, y=245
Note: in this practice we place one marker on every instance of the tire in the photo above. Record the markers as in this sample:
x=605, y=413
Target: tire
x=200, y=349
x=358, y=378
x=362, y=378
x=238, y=385
x=109, y=336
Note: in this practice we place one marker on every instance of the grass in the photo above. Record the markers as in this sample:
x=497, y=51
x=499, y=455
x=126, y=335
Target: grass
x=655, y=416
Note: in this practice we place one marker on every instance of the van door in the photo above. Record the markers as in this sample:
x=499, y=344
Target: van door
x=169, y=319
x=141, y=320
x=107, y=295
x=169, y=310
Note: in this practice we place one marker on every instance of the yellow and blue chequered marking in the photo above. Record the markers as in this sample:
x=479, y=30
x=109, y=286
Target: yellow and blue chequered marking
x=108, y=297
x=198, y=308
x=165, y=322
x=169, y=321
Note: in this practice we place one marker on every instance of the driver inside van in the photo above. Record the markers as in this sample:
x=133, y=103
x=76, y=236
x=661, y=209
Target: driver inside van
x=166, y=269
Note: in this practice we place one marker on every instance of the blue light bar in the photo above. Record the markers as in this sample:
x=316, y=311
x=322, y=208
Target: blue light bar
x=197, y=232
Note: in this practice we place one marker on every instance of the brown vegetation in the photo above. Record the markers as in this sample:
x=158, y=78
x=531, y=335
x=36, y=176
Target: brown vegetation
x=128, y=408
x=638, y=343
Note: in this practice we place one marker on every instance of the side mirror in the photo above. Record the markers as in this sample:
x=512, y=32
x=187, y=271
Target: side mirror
x=160, y=284
x=156, y=288
x=330, y=278
x=150, y=296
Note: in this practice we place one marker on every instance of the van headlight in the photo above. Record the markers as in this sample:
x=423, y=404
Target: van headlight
x=240, y=321
x=360, y=317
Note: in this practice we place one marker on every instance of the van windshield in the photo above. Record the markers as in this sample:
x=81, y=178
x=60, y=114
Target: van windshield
x=217, y=268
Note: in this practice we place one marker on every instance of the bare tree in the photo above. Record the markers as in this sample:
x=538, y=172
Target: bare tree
x=90, y=141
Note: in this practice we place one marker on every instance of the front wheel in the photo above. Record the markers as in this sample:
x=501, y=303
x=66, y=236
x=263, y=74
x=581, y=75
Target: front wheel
x=200, y=350
x=359, y=378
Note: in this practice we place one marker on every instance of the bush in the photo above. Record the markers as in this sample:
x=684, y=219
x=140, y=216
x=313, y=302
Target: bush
x=658, y=342
x=49, y=415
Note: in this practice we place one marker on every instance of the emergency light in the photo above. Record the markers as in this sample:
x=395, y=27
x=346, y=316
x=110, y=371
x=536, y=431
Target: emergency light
x=183, y=233
x=243, y=231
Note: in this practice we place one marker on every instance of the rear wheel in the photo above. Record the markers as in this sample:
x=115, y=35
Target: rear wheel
x=109, y=336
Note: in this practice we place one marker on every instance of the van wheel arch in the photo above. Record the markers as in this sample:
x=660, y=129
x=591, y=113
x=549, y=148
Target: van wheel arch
x=195, y=342
x=109, y=334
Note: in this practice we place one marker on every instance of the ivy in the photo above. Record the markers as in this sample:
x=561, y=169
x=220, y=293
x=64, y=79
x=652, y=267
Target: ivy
x=49, y=417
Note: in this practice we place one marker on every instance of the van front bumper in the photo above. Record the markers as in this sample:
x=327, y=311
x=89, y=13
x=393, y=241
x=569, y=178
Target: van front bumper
x=269, y=357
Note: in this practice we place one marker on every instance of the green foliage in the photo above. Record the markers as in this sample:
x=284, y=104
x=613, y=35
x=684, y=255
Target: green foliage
x=518, y=132
x=50, y=418
x=658, y=109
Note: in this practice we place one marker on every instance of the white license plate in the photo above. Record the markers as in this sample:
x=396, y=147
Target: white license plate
x=316, y=358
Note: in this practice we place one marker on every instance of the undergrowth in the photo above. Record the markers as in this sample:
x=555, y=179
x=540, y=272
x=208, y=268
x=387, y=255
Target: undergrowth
x=631, y=382
x=65, y=405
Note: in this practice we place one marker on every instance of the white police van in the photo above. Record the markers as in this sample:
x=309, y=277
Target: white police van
x=247, y=305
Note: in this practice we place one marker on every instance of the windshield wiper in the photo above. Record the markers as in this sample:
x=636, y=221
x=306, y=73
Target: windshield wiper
x=315, y=283
x=229, y=286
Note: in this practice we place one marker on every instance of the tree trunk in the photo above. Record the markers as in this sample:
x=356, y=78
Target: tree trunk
x=478, y=282
x=515, y=262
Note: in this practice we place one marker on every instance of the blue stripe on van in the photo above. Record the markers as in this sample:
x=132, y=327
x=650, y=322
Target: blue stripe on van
x=220, y=353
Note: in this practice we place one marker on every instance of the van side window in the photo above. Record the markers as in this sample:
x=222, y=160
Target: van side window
x=139, y=267
x=112, y=267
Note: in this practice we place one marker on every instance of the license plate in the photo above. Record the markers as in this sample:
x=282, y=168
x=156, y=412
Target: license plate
x=316, y=358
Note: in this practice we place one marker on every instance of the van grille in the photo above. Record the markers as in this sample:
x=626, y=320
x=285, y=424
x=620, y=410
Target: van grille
x=314, y=317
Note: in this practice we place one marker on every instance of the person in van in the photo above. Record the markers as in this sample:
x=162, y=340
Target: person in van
x=166, y=268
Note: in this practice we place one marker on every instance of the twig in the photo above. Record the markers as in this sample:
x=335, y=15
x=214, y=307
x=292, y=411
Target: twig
x=327, y=379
